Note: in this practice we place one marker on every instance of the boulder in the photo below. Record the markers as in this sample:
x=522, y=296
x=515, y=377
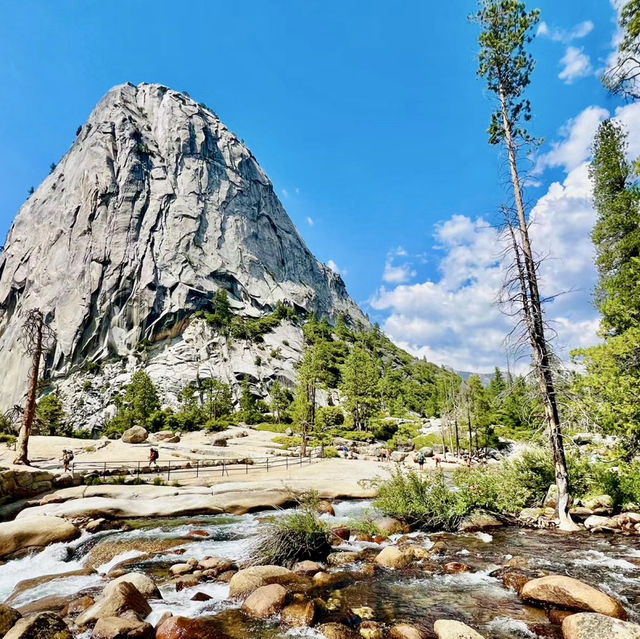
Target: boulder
x=8, y=617
x=599, y=502
x=391, y=526
x=266, y=601
x=123, y=597
x=371, y=630
x=44, y=625
x=337, y=631
x=551, y=498
x=180, y=569
x=455, y=567
x=216, y=565
x=135, y=435
x=246, y=581
x=341, y=532
x=122, y=628
x=167, y=436
x=406, y=631
x=587, y=625
x=34, y=531
x=451, y=629
x=300, y=614
x=342, y=558
x=600, y=522
x=479, y=520
x=307, y=567
x=398, y=456
x=394, y=557
x=183, y=628
x=325, y=507
x=573, y=594
x=145, y=584
x=77, y=606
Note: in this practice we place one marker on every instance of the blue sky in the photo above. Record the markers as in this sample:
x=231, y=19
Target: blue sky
x=367, y=116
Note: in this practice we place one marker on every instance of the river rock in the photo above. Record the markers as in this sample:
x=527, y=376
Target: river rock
x=391, y=526
x=145, y=584
x=300, y=614
x=586, y=625
x=371, y=630
x=246, y=581
x=573, y=594
x=451, y=629
x=216, y=565
x=123, y=597
x=341, y=532
x=342, y=558
x=600, y=522
x=598, y=503
x=77, y=606
x=394, y=557
x=34, y=531
x=8, y=617
x=337, y=631
x=180, y=569
x=183, y=628
x=135, y=435
x=44, y=625
x=121, y=628
x=456, y=567
x=325, y=508
x=266, y=601
x=406, y=631
x=479, y=520
x=307, y=568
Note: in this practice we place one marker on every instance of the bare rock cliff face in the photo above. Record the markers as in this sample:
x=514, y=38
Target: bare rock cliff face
x=155, y=207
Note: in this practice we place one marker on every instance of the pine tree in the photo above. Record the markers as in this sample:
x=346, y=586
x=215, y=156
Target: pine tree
x=507, y=66
x=624, y=75
x=360, y=379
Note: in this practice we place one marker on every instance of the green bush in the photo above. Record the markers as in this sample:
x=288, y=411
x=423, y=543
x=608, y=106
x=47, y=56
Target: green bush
x=421, y=499
x=330, y=452
x=427, y=441
x=288, y=442
x=329, y=417
x=383, y=428
x=83, y=433
x=366, y=525
x=7, y=439
x=274, y=428
x=489, y=489
x=296, y=537
x=217, y=425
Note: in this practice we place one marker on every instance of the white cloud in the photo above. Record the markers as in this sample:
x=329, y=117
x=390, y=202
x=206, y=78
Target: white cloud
x=335, y=268
x=580, y=30
x=397, y=273
x=575, y=146
x=310, y=221
x=575, y=64
x=454, y=320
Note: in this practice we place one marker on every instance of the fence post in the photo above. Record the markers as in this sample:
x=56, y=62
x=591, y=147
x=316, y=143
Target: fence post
x=287, y=461
x=104, y=470
x=246, y=467
x=197, y=468
x=138, y=469
x=168, y=471
x=223, y=465
x=267, y=464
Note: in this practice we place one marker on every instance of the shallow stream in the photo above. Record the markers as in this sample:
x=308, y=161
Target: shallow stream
x=420, y=596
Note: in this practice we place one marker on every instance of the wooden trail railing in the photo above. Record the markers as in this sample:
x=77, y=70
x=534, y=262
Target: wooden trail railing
x=196, y=468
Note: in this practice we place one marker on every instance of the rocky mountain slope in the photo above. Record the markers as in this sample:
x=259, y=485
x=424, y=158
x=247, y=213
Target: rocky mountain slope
x=155, y=207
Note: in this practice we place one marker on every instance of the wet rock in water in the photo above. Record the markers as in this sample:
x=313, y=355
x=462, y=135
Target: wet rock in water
x=145, y=584
x=227, y=576
x=216, y=565
x=180, y=569
x=124, y=597
x=573, y=594
x=120, y=628
x=418, y=553
x=455, y=567
x=34, y=531
x=246, y=581
x=451, y=629
x=266, y=601
x=198, y=534
x=438, y=548
x=371, y=630
x=183, y=628
x=479, y=520
x=391, y=526
x=587, y=625
x=406, y=631
x=597, y=523
x=135, y=435
x=77, y=606
x=333, y=579
x=106, y=551
x=307, y=567
x=186, y=581
x=52, y=603
x=337, y=631
x=45, y=625
x=325, y=508
x=341, y=532
x=342, y=558
x=8, y=617
x=364, y=612
x=201, y=596
x=300, y=614
x=394, y=557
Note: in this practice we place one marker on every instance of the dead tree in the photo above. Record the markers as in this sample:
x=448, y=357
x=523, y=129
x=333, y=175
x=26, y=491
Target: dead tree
x=38, y=338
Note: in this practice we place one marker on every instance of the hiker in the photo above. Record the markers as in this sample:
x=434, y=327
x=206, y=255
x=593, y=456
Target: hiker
x=438, y=461
x=421, y=460
x=67, y=457
x=153, y=456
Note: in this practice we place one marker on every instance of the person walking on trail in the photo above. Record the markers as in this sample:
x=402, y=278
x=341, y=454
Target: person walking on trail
x=153, y=456
x=67, y=458
x=421, y=460
x=438, y=462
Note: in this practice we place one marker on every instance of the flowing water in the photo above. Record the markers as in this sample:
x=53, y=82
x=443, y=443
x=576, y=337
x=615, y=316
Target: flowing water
x=420, y=596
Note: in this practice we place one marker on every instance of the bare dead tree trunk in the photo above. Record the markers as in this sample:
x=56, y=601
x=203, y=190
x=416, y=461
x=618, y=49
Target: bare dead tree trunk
x=470, y=434
x=532, y=310
x=33, y=332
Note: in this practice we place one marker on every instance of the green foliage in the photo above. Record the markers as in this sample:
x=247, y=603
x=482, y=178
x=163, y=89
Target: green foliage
x=421, y=499
x=489, y=489
x=217, y=424
x=622, y=77
x=281, y=399
x=383, y=428
x=139, y=403
x=6, y=426
x=366, y=525
x=274, y=428
x=8, y=439
x=295, y=537
x=329, y=417
x=360, y=378
x=330, y=452
x=51, y=416
x=404, y=436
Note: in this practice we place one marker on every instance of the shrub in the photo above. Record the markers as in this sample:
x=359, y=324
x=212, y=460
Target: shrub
x=489, y=489
x=329, y=417
x=214, y=425
x=83, y=433
x=295, y=537
x=288, y=442
x=427, y=441
x=383, y=428
x=273, y=428
x=421, y=499
x=330, y=452
x=8, y=439
x=366, y=526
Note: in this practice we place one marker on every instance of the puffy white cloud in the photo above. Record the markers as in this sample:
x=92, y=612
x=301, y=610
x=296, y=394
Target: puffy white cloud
x=397, y=273
x=310, y=221
x=454, y=319
x=580, y=30
x=575, y=64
